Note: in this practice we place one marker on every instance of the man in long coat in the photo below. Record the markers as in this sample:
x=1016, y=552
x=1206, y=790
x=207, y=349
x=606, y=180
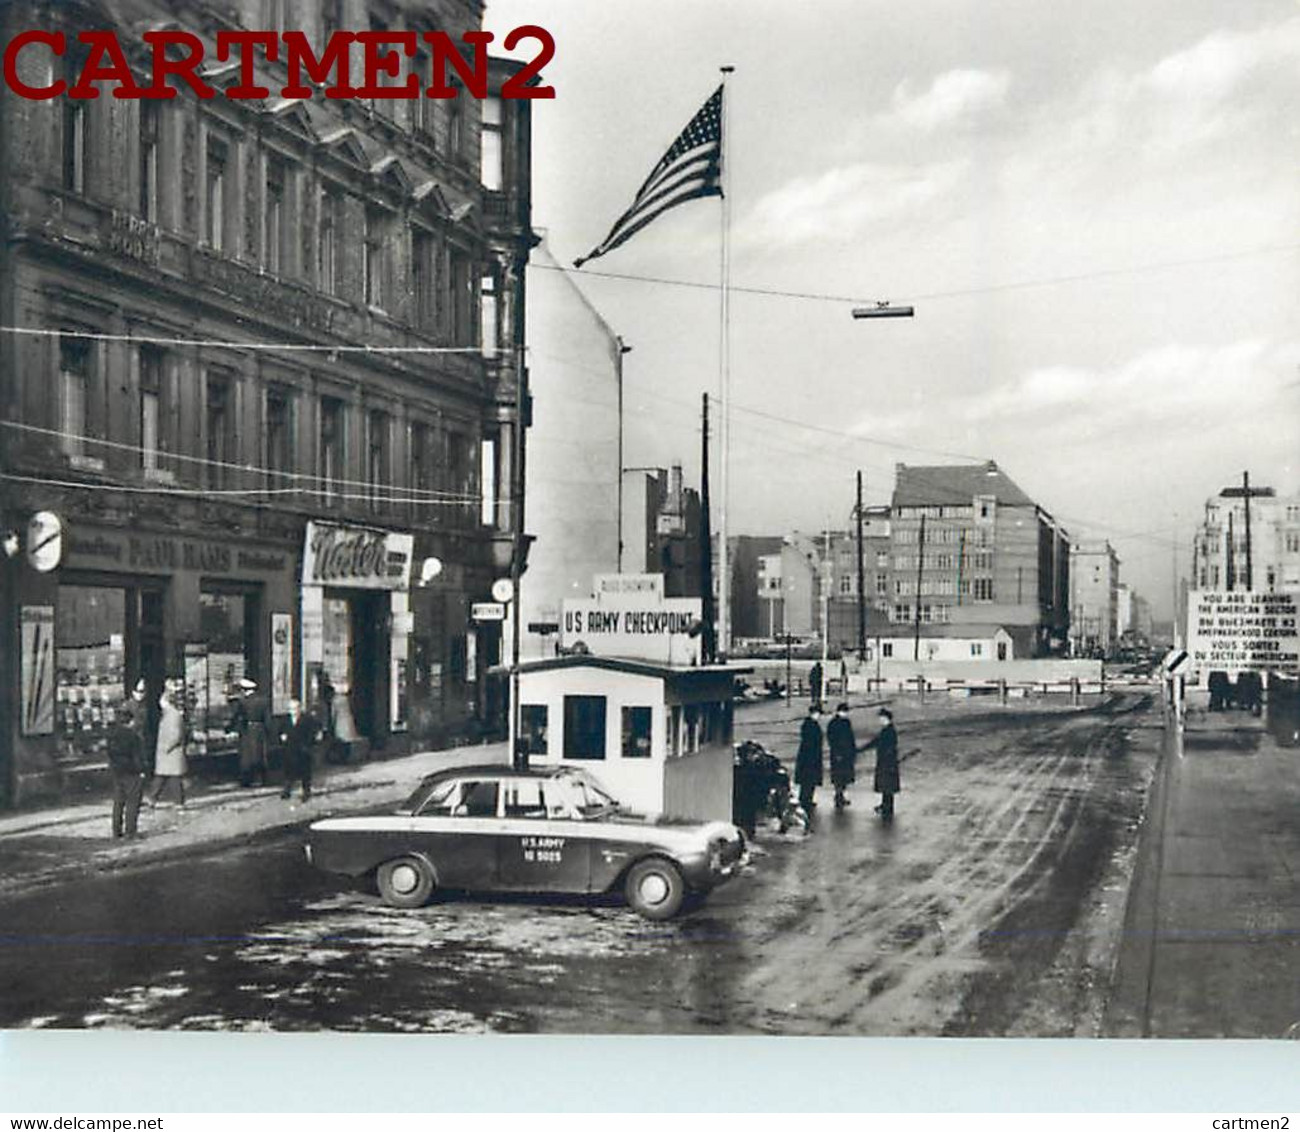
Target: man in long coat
x=127, y=762
x=844, y=753
x=808, y=763
x=886, y=782
x=299, y=742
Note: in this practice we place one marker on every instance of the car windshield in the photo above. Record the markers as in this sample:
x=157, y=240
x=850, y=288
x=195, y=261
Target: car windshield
x=428, y=799
x=589, y=797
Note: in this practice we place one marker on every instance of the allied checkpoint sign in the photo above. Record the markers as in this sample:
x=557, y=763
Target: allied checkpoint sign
x=630, y=618
x=1243, y=631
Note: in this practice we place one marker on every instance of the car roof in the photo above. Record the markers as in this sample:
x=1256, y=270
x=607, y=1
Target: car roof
x=494, y=770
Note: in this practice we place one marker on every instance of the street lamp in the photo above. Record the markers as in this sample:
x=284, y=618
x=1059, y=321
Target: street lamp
x=883, y=310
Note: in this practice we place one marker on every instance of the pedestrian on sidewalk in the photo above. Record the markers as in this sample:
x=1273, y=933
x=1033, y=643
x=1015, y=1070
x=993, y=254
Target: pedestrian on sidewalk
x=169, y=753
x=298, y=740
x=126, y=761
x=815, y=682
x=248, y=720
x=808, y=763
x=886, y=782
x=844, y=754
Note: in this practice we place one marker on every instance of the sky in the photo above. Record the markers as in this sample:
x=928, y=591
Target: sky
x=1094, y=208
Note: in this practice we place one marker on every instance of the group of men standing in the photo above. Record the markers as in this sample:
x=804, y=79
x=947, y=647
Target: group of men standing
x=136, y=752
x=809, y=766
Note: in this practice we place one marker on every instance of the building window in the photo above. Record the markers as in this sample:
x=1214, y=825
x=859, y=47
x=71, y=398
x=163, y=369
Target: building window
x=489, y=325
x=149, y=161
x=275, y=233
x=215, y=194
x=456, y=126
x=424, y=280
x=462, y=469
x=461, y=304
x=331, y=446
x=887, y=649
x=491, y=168
x=274, y=15
x=327, y=235
x=74, y=383
x=976, y=648
x=74, y=145
x=377, y=456
x=331, y=19
x=846, y=584
x=151, y=393
x=637, y=723
x=375, y=262
x=279, y=433
x=490, y=513
x=422, y=120
x=584, y=727
x=982, y=589
x=217, y=421
x=533, y=727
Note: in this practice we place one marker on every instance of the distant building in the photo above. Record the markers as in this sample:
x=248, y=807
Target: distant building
x=756, y=587
x=1228, y=549
x=969, y=547
x=1094, y=599
x=877, y=576
x=663, y=528
x=571, y=491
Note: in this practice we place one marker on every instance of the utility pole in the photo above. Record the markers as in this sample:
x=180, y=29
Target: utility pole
x=920, y=563
x=826, y=604
x=706, y=547
x=961, y=560
x=618, y=373
x=1230, y=567
x=862, y=582
x=1245, y=486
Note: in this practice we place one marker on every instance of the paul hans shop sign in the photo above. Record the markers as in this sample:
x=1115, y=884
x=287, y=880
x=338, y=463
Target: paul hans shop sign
x=356, y=557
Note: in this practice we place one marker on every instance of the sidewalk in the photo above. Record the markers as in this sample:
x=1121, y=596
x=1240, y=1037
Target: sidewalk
x=1212, y=935
x=46, y=846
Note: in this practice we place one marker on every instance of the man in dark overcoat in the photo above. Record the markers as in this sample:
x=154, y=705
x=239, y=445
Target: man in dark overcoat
x=126, y=760
x=844, y=754
x=808, y=763
x=815, y=682
x=299, y=742
x=886, y=782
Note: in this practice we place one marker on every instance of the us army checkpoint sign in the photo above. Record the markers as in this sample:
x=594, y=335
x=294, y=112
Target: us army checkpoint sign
x=1243, y=631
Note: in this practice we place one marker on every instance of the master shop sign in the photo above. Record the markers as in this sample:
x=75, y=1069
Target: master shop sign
x=1243, y=631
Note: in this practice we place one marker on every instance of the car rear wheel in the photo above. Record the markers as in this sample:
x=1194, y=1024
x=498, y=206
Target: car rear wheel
x=405, y=882
x=655, y=889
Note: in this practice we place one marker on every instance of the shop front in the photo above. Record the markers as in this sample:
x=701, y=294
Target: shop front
x=124, y=607
x=356, y=628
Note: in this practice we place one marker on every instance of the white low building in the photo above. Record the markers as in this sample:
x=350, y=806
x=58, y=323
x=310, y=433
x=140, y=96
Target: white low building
x=944, y=643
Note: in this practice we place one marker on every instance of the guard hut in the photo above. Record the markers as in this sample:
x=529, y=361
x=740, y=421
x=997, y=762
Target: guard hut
x=630, y=700
x=658, y=737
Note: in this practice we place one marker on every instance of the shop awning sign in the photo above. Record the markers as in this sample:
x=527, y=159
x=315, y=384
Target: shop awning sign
x=356, y=557
x=488, y=611
x=1243, y=631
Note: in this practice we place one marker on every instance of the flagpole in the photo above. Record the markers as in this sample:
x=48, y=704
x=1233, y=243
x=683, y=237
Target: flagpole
x=724, y=361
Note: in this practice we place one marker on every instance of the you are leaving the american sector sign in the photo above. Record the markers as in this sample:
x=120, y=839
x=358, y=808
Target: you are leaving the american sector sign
x=1243, y=631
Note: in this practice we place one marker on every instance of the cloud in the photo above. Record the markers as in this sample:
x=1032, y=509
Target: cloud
x=1212, y=69
x=841, y=201
x=951, y=96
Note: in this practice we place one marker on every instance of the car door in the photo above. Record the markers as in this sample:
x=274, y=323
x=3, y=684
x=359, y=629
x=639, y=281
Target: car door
x=457, y=831
x=541, y=846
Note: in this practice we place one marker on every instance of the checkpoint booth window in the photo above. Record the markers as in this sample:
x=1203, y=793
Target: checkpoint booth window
x=658, y=737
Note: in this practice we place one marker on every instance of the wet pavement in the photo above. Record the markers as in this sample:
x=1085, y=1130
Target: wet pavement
x=993, y=904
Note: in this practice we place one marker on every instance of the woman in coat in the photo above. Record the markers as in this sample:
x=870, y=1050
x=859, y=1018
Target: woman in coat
x=808, y=765
x=169, y=757
x=886, y=782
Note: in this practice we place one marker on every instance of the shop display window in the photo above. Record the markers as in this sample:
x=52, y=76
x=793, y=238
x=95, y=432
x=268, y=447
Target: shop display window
x=90, y=655
x=214, y=666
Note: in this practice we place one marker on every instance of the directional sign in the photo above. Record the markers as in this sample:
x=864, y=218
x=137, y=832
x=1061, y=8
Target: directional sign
x=1176, y=662
x=1244, y=631
x=488, y=611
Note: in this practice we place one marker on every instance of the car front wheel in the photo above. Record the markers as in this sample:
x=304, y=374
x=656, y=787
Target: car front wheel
x=655, y=889
x=405, y=882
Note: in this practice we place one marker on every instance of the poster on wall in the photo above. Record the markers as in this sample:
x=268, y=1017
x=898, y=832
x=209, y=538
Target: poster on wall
x=281, y=662
x=398, y=704
x=38, y=669
x=196, y=695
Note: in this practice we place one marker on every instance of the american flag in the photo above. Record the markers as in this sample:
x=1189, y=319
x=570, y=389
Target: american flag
x=691, y=168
